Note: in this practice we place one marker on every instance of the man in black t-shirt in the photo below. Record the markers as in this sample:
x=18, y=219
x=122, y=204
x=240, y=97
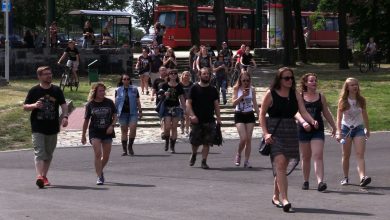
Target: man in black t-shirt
x=202, y=104
x=247, y=59
x=43, y=101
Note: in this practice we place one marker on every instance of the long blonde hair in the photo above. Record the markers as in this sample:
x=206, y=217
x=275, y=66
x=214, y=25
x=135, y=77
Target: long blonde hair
x=360, y=100
x=94, y=88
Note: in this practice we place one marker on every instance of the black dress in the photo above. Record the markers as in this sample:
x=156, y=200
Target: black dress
x=286, y=135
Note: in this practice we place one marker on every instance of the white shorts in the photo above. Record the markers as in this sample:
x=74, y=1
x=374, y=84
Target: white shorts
x=72, y=64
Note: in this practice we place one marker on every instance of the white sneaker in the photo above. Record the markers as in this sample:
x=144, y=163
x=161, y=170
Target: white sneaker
x=344, y=181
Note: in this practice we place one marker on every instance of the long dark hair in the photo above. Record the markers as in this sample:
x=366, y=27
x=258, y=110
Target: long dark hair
x=120, y=81
x=304, y=79
x=275, y=85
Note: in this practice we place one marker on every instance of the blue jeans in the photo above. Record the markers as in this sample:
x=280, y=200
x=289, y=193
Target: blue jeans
x=221, y=86
x=352, y=131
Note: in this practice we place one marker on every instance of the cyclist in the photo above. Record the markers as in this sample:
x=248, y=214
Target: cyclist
x=247, y=59
x=73, y=60
x=370, y=50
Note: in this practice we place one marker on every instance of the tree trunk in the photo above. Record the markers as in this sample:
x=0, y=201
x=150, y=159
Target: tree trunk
x=193, y=19
x=288, y=55
x=299, y=31
x=343, y=50
x=221, y=25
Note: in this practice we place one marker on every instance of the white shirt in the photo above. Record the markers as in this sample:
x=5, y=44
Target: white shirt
x=246, y=104
x=353, y=116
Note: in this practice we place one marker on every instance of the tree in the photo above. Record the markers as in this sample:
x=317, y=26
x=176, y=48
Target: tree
x=343, y=50
x=143, y=9
x=220, y=18
x=194, y=24
x=299, y=31
x=288, y=55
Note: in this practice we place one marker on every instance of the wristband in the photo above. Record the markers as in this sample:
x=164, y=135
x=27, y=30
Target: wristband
x=65, y=116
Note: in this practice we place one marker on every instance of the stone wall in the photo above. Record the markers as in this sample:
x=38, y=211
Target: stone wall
x=24, y=62
x=314, y=55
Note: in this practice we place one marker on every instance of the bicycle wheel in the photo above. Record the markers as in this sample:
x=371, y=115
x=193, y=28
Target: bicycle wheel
x=63, y=81
x=375, y=66
x=234, y=78
x=363, y=67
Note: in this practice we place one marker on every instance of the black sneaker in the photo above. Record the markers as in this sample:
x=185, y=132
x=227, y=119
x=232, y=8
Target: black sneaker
x=365, y=181
x=192, y=159
x=305, y=185
x=204, y=165
x=322, y=186
x=40, y=182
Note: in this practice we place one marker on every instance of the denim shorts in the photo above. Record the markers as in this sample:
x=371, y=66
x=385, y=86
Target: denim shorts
x=312, y=135
x=352, y=131
x=174, y=112
x=106, y=140
x=126, y=119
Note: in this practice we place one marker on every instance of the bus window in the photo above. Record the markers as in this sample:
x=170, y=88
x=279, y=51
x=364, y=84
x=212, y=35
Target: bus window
x=211, y=21
x=168, y=19
x=181, y=19
x=246, y=21
x=202, y=20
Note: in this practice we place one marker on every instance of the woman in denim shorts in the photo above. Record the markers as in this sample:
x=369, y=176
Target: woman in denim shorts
x=174, y=108
x=100, y=119
x=311, y=140
x=353, y=127
x=129, y=111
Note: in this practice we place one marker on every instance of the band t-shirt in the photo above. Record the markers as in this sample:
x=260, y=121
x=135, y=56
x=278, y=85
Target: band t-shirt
x=46, y=119
x=101, y=114
x=203, y=102
x=157, y=85
x=173, y=99
x=144, y=64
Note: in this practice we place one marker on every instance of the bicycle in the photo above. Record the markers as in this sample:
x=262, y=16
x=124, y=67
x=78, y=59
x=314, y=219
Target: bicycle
x=370, y=62
x=234, y=77
x=66, y=79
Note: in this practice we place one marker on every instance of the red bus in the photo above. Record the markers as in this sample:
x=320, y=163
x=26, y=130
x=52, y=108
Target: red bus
x=240, y=22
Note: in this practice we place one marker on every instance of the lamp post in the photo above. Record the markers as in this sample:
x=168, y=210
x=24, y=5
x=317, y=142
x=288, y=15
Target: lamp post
x=6, y=59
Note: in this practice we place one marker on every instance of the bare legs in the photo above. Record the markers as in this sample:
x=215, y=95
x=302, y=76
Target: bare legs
x=308, y=150
x=245, y=132
x=359, y=143
x=280, y=182
x=102, y=154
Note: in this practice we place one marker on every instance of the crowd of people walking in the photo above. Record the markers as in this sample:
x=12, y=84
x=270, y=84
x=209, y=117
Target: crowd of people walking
x=290, y=117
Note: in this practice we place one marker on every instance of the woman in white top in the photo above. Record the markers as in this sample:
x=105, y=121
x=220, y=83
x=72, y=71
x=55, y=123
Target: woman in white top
x=244, y=100
x=352, y=127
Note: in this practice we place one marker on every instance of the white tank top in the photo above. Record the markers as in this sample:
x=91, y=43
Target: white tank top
x=353, y=116
x=246, y=104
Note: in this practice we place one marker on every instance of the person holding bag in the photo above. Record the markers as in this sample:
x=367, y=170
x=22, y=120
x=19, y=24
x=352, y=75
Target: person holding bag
x=282, y=102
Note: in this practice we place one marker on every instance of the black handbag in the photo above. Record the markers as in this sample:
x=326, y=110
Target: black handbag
x=265, y=149
x=218, y=135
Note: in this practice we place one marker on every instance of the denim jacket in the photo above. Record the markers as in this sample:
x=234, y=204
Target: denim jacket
x=120, y=99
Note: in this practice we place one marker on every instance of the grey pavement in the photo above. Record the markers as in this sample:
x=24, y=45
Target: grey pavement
x=159, y=185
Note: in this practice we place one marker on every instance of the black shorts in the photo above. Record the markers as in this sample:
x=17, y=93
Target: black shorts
x=202, y=134
x=244, y=117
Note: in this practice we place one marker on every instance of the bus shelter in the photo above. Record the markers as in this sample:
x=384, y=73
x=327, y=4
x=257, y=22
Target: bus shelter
x=118, y=23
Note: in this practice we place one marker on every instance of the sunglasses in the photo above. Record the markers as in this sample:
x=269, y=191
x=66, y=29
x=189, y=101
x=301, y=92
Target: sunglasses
x=287, y=78
x=126, y=79
x=245, y=80
x=173, y=73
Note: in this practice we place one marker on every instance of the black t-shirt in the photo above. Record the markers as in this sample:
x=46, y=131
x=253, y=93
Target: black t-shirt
x=170, y=64
x=156, y=62
x=101, y=114
x=186, y=89
x=246, y=58
x=204, y=61
x=45, y=120
x=72, y=53
x=173, y=99
x=144, y=64
x=203, y=102
x=220, y=74
x=157, y=85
